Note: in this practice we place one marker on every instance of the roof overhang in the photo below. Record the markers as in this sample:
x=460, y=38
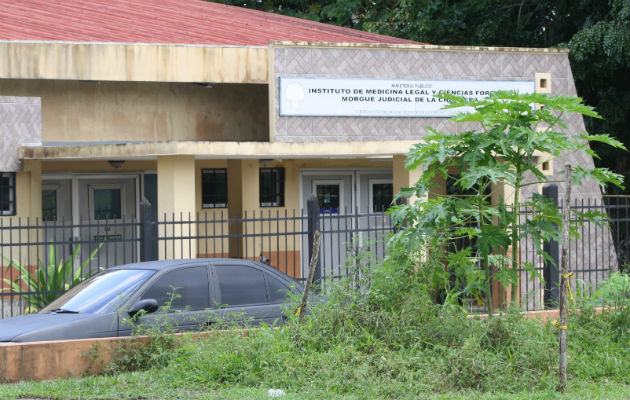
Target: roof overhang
x=132, y=62
x=214, y=150
x=150, y=62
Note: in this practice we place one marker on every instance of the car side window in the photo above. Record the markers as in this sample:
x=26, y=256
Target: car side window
x=241, y=285
x=278, y=291
x=186, y=288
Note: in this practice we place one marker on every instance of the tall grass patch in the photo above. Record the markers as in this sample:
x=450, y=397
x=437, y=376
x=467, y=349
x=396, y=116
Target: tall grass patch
x=379, y=334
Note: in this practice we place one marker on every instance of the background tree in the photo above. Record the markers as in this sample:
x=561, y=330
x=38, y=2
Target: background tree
x=600, y=58
x=596, y=31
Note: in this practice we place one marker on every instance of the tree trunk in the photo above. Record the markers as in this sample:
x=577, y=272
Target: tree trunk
x=515, y=247
x=564, y=281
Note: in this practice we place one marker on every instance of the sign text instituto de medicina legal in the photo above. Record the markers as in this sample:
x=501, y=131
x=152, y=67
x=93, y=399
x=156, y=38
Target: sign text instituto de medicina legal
x=331, y=97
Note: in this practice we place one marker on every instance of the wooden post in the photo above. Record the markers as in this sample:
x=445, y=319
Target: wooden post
x=311, y=273
x=312, y=206
x=564, y=281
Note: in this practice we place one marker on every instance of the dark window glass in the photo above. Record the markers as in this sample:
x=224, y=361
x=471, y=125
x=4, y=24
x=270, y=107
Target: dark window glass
x=214, y=188
x=271, y=187
x=241, y=285
x=382, y=195
x=328, y=197
x=107, y=203
x=185, y=288
x=102, y=293
x=49, y=205
x=278, y=291
x=455, y=190
x=7, y=193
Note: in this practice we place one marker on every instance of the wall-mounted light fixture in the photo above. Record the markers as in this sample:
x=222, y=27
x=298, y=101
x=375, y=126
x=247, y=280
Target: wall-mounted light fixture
x=116, y=163
x=265, y=161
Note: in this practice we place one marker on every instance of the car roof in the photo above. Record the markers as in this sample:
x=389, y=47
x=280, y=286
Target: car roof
x=162, y=265
x=167, y=264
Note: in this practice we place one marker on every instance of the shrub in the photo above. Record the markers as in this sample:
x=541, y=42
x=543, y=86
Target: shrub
x=50, y=280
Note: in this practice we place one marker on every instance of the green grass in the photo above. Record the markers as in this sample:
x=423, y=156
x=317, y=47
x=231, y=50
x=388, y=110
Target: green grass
x=383, y=343
x=502, y=358
x=152, y=385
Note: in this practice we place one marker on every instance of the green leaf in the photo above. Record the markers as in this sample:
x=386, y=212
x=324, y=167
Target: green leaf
x=53, y=276
x=602, y=176
x=493, y=238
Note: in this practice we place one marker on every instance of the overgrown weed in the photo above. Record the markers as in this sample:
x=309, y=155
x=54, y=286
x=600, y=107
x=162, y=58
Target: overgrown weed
x=384, y=337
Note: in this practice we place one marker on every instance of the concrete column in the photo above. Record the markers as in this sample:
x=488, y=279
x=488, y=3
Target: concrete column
x=243, y=197
x=177, y=194
x=250, y=185
x=28, y=196
x=29, y=190
x=402, y=177
x=235, y=187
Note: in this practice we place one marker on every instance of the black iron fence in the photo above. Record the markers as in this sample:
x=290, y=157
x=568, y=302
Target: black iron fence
x=282, y=238
x=279, y=238
x=597, y=250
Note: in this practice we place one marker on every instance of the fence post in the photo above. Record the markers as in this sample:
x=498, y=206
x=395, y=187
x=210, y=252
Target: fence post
x=147, y=243
x=312, y=209
x=551, y=294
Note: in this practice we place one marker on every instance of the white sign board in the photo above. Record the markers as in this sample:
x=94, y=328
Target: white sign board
x=330, y=97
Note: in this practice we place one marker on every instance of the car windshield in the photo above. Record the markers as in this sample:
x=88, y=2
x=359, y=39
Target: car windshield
x=102, y=293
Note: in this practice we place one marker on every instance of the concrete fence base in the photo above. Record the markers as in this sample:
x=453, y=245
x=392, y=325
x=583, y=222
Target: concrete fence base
x=46, y=360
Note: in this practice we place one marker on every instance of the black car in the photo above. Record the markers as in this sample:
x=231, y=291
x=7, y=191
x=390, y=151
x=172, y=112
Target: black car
x=189, y=294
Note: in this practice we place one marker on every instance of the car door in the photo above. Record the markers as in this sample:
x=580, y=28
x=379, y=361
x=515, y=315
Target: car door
x=183, y=296
x=245, y=291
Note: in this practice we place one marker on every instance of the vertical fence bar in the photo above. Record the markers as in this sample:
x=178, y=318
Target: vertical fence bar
x=550, y=267
x=146, y=240
x=588, y=254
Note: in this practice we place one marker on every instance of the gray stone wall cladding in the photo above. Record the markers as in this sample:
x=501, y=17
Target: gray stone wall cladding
x=20, y=123
x=400, y=64
x=590, y=264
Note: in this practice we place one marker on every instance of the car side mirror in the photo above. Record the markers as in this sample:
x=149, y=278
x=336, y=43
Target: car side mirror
x=146, y=306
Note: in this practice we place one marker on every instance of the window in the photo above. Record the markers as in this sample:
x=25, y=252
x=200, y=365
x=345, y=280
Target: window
x=102, y=293
x=241, y=285
x=7, y=193
x=214, y=188
x=49, y=205
x=106, y=202
x=278, y=291
x=186, y=288
x=452, y=189
x=271, y=187
x=329, y=197
x=382, y=196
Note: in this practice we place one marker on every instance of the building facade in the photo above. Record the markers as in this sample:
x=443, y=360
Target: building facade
x=94, y=118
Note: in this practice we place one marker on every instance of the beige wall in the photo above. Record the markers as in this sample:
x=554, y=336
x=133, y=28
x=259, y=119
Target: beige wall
x=29, y=189
x=176, y=185
x=28, y=195
x=98, y=166
x=402, y=177
x=243, y=199
x=176, y=200
x=132, y=62
x=79, y=111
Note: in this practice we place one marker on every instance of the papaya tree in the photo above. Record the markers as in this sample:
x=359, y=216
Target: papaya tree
x=469, y=236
